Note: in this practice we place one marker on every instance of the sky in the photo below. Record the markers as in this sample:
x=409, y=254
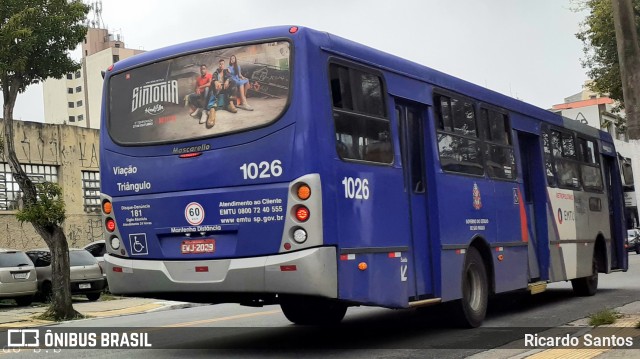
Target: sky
x=521, y=48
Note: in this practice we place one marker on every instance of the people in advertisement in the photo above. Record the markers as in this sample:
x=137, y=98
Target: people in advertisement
x=197, y=99
x=220, y=93
x=164, y=97
x=241, y=83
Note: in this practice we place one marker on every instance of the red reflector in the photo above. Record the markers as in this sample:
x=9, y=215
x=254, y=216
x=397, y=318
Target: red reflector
x=293, y=29
x=117, y=269
x=111, y=225
x=344, y=257
x=287, y=246
x=288, y=268
x=110, y=68
x=190, y=155
x=202, y=269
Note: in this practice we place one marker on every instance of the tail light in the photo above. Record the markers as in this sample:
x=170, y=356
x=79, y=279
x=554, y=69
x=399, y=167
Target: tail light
x=107, y=207
x=110, y=224
x=302, y=213
x=303, y=192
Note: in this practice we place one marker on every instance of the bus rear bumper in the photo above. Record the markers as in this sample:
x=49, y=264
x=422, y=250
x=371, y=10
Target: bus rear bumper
x=307, y=272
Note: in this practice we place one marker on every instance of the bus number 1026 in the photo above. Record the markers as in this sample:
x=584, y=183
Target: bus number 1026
x=263, y=169
x=356, y=188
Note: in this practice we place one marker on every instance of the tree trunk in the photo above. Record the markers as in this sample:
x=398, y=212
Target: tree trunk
x=629, y=59
x=61, y=307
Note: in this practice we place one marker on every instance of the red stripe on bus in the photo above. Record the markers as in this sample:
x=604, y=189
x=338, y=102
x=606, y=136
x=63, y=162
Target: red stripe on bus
x=524, y=228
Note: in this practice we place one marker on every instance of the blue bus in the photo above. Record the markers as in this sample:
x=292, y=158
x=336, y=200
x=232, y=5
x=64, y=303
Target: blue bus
x=290, y=166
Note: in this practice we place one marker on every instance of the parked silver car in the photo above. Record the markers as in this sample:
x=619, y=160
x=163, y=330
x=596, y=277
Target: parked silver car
x=17, y=277
x=97, y=249
x=86, y=275
x=633, y=240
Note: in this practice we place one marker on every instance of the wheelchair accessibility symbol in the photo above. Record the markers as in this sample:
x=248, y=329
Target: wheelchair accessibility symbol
x=138, y=242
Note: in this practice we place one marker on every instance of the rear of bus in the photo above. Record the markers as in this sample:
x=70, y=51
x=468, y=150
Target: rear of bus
x=196, y=209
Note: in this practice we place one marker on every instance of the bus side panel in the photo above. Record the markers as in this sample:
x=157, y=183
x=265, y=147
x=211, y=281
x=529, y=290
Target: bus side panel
x=466, y=211
x=509, y=247
x=370, y=229
x=383, y=282
x=580, y=217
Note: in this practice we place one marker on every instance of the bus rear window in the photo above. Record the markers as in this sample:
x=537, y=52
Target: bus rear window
x=200, y=95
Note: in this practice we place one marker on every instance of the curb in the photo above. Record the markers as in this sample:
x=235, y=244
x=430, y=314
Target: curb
x=110, y=313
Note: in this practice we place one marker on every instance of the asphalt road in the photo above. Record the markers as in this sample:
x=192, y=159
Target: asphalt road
x=245, y=332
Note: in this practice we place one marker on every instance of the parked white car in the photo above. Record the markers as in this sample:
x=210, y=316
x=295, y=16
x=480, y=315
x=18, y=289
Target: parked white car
x=18, y=278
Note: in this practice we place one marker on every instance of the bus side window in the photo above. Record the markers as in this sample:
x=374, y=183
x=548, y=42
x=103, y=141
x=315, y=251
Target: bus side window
x=548, y=158
x=499, y=155
x=457, y=134
x=567, y=166
x=362, y=127
x=590, y=166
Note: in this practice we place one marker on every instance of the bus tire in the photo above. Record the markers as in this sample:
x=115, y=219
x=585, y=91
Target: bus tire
x=587, y=286
x=312, y=311
x=472, y=308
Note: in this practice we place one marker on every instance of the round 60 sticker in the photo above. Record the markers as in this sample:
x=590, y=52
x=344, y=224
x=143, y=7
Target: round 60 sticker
x=194, y=213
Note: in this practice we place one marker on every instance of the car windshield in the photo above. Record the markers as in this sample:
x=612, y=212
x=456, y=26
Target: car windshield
x=14, y=259
x=81, y=258
x=631, y=233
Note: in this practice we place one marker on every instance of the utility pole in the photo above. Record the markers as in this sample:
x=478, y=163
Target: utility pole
x=629, y=59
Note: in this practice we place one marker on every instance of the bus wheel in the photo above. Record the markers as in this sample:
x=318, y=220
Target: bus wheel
x=312, y=311
x=475, y=291
x=587, y=286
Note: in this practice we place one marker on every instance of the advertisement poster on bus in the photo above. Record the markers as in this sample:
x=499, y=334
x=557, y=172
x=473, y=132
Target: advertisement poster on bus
x=200, y=95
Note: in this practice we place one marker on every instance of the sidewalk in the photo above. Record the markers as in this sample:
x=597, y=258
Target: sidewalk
x=623, y=327
x=12, y=317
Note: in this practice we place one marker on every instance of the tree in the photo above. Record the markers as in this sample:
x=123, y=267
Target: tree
x=35, y=37
x=629, y=57
x=599, y=38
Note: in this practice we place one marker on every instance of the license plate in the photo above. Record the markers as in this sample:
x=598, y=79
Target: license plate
x=84, y=285
x=20, y=275
x=196, y=246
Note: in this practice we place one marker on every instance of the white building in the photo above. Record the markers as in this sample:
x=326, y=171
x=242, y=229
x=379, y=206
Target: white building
x=76, y=99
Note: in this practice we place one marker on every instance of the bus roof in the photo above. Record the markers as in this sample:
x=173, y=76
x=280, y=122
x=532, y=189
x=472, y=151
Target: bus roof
x=373, y=57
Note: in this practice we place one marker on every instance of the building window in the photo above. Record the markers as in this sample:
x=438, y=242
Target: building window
x=70, y=104
x=91, y=191
x=117, y=45
x=85, y=40
x=69, y=90
x=78, y=74
x=80, y=118
x=79, y=88
x=86, y=53
x=116, y=58
x=72, y=119
x=10, y=193
x=79, y=103
x=69, y=76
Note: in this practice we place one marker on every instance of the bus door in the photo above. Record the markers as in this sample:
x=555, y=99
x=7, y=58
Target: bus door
x=411, y=118
x=534, y=193
x=613, y=182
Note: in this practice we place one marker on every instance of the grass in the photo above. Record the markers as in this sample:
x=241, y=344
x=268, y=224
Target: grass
x=603, y=317
x=48, y=316
x=108, y=296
